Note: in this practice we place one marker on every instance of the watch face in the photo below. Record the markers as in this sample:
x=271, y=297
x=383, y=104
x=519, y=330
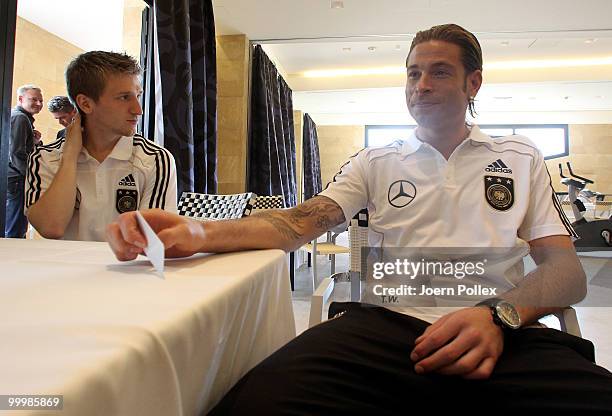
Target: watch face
x=508, y=315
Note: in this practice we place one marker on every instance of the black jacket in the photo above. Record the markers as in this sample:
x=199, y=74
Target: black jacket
x=21, y=142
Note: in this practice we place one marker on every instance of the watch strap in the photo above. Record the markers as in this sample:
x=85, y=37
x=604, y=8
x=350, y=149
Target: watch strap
x=491, y=303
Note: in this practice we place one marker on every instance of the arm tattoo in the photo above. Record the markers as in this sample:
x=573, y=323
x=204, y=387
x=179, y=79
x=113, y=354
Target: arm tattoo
x=317, y=214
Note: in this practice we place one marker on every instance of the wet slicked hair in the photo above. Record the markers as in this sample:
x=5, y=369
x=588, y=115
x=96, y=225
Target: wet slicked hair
x=471, y=52
x=87, y=73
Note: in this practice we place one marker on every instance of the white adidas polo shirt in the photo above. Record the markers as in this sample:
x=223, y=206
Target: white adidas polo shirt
x=489, y=193
x=137, y=174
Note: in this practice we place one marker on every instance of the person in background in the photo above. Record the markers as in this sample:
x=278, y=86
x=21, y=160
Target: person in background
x=63, y=111
x=22, y=139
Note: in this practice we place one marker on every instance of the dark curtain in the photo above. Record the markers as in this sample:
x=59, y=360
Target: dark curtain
x=8, y=24
x=312, y=162
x=272, y=160
x=187, y=65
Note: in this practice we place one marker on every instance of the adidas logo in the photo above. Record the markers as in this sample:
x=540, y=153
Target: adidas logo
x=127, y=181
x=498, y=166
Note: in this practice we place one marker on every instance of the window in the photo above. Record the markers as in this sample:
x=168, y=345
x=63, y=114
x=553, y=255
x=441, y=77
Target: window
x=497, y=132
x=551, y=139
x=377, y=136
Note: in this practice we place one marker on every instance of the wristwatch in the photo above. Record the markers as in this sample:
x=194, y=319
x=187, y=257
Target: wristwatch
x=504, y=313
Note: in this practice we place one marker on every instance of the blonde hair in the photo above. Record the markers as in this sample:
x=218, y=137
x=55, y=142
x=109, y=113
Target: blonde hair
x=87, y=73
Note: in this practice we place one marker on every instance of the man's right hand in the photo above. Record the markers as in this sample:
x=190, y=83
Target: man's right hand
x=181, y=236
x=74, y=138
x=37, y=136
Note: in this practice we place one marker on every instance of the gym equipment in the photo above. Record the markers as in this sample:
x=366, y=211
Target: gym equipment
x=595, y=235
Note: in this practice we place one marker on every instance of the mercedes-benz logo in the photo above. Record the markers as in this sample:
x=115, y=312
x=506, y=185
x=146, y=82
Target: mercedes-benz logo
x=401, y=193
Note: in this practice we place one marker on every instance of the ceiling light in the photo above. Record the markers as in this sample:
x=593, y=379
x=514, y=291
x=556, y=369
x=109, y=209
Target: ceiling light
x=372, y=48
x=331, y=73
x=503, y=98
x=346, y=49
x=591, y=40
x=336, y=4
x=505, y=43
x=552, y=63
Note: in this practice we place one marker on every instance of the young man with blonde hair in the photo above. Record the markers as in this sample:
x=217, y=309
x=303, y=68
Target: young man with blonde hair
x=79, y=184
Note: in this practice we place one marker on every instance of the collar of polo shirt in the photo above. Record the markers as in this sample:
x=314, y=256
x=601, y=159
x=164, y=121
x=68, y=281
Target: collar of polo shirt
x=414, y=143
x=477, y=135
x=121, y=151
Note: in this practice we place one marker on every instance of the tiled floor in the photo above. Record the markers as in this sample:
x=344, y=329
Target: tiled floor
x=595, y=312
x=594, y=317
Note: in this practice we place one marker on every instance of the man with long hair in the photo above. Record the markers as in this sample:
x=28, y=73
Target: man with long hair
x=450, y=186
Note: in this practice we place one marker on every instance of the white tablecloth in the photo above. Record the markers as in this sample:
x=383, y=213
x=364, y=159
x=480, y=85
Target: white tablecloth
x=114, y=339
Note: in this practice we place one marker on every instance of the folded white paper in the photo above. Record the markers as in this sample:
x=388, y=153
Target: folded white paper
x=155, y=248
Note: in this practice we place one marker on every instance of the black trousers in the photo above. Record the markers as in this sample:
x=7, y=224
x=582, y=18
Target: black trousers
x=358, y=363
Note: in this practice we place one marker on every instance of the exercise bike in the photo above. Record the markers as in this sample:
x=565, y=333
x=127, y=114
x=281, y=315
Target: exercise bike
x=594, y=235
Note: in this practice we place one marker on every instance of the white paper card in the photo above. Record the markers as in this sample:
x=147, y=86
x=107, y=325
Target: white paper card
x=155, y=248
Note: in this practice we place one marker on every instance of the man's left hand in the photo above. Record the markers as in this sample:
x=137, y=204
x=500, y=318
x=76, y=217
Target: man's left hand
x=466, y=343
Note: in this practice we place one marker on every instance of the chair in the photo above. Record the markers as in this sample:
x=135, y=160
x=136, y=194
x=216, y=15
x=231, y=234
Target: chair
x=215, y=207
x=330, y=248
x=326, y=248
x=358, y=238
x=568, y=321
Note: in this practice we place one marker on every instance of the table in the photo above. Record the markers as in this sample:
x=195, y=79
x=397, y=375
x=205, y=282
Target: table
x=114, y=339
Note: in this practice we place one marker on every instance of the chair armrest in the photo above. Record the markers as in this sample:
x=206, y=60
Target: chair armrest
x=319, y=299
x=324, y=291
x=569, y=321
x=322, y=294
